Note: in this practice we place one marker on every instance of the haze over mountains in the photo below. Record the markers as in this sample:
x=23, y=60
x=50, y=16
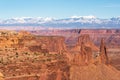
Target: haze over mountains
x=82, y=22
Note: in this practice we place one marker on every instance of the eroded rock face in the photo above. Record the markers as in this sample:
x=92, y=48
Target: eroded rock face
x=36, y=66
x=1, y=76
x=95, y=34
x=83, y=38
x=38, y=49
x=8, y=39
x=24, y=41
x=86, y=41
x=86, y=49
x=94, y=72
x=85, y=72
x=103, y=52
x=113, y=41
x=86, y=53
x=12, y=40
x=52, y=43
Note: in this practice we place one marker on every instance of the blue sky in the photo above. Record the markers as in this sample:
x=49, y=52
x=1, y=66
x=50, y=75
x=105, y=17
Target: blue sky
x=59, y=8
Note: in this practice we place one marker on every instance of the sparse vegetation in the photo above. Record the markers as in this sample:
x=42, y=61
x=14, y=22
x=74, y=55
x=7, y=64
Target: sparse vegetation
x=24, y=56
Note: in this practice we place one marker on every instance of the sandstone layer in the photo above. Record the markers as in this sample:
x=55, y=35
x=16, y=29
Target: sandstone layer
x=24, y=56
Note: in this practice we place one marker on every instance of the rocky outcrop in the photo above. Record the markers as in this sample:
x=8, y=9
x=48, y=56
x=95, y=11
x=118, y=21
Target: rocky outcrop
x=1, y=76
x=95, y=34
x=31, y=64
x=52, y=43
x=94, y=72
x=113, y=41
x=103, y=52
x=84, y=39
x=12, y=40
x=44, y=44
x=100, y=71
x=38, y=49
x=8, y=39
x=86, y=49
x=86, y=53
x=24, y=41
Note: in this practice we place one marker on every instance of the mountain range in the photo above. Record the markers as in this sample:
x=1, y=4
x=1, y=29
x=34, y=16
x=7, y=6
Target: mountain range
x=78, y=22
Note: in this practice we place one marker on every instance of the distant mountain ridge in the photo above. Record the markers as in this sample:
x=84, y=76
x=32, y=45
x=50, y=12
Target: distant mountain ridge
x=81, y=22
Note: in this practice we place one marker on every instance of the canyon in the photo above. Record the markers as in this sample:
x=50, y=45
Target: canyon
x=76, y=54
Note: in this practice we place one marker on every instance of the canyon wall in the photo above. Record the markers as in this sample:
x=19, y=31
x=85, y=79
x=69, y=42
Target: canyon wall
x=27, y=56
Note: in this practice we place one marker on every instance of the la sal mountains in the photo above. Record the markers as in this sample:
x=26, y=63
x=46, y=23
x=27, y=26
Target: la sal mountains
x=79, y=22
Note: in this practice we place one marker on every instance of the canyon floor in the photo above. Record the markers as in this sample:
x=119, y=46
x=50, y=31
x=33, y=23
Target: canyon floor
x=60, y=55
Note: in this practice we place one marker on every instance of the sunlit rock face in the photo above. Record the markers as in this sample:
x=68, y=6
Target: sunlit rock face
x=86, y=65
x=103, y=52
x=24, y=41
x=85, y=48
x=50, y=44
x=1, y=76
x=48, y=58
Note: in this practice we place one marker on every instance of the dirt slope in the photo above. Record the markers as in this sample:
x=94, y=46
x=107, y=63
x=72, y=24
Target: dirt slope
x=94, y=72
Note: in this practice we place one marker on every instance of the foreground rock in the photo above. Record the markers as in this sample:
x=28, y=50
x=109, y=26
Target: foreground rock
x=94, y=72
x=85, y=48
x=47, y=58
x=103, y=53
x=11, y=41
x=88, y=67
x=1, y=76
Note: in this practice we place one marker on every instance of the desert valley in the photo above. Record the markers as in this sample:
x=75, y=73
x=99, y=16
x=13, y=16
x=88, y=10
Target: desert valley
x=59, y=40
x=72, y=54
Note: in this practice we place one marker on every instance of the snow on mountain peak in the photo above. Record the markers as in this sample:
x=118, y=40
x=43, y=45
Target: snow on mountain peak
x=48, y=19
x=87, y=17
x=74, y=21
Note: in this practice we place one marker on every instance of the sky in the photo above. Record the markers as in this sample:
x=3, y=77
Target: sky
x=59, y=8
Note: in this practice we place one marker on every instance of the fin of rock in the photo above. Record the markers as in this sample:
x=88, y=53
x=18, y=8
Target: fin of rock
x=103, y=53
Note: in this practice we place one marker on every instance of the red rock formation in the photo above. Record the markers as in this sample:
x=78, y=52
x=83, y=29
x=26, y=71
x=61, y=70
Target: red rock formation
x=43, y=77
x=72, y=34
x=86, y=53
x=86, y=48
x=94, y=72
x=85, y=39
x=103, y=52
x=1, y=76
x=77, y=59
x=38, y=49
x=59, y=75
x=52, y=43
x=34, y=66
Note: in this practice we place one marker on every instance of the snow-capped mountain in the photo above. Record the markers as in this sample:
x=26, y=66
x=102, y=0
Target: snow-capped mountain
x=72, y=22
